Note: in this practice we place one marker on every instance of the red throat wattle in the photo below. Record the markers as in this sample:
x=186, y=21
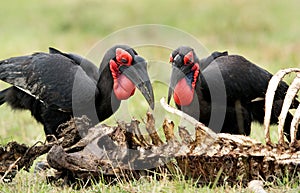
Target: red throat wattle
x=183, y=93
x=123, y=87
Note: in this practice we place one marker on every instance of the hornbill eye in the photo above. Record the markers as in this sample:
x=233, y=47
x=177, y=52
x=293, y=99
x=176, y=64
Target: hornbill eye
x=177, y=61
x=123, y=57
x=124, y=60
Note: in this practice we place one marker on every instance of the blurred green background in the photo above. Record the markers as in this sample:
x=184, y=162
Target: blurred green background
x=265, y=32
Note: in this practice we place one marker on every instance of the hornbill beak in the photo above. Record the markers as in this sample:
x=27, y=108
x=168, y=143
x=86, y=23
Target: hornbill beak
x=138, y=74
x=176, y=75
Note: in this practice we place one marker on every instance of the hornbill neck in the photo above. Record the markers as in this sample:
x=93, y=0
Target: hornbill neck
x=106, y=101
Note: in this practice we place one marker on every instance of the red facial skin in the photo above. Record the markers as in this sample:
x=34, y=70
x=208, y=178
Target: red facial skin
x=183, y=92
x=123, y=87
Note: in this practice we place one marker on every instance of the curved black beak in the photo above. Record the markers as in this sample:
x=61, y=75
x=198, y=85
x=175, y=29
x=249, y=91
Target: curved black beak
x=138, y=74
x=177, y=74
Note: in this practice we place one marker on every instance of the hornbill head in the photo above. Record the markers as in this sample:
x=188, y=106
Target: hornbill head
x=185, y=71
x=129, y=71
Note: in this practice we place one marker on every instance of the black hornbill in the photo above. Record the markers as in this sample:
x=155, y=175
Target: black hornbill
x=54, y=85
x=226, y=86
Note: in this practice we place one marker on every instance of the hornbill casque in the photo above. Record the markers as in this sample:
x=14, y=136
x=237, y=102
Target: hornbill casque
x=225, y=92
x=54, y=85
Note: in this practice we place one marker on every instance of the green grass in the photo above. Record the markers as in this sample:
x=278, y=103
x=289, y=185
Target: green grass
x=265, y=32
x=32, y=183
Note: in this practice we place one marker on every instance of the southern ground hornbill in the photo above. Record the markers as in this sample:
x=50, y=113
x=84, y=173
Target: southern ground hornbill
x=225, y=92
x=55, y=86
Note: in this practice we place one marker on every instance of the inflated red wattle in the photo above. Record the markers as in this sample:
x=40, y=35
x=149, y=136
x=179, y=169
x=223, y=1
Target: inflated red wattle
x=123, y=87
x=183, y=93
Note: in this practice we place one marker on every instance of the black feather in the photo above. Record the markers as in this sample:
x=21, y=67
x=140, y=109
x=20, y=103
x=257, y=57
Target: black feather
x=56, y=86
x=234, y=89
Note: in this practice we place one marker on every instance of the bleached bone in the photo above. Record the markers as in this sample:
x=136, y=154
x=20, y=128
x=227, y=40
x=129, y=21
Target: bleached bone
x=294, y=126
x=273, y=84
x=288, y=99
x=188, y=118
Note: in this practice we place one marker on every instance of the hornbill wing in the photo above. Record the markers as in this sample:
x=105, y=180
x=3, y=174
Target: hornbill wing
x=50, y=78
x=243, y=79
x=90, y=69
